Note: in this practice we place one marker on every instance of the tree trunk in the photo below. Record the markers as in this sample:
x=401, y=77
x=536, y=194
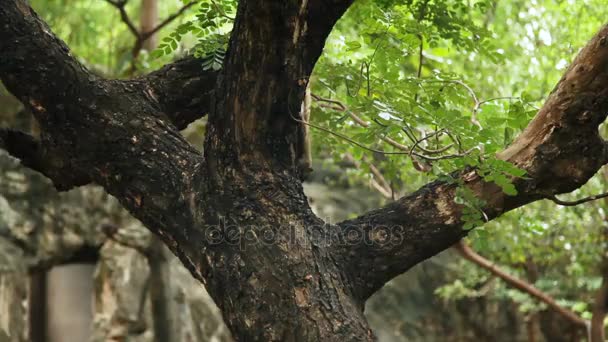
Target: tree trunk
x=600, y=306
x=149, y=20
x=237, y=216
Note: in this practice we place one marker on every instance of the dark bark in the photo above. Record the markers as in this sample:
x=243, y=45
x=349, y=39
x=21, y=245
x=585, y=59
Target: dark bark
x=237, y=216
x=181, y=90
x=294, y=288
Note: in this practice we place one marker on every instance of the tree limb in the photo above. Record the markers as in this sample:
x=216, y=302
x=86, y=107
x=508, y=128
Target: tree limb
x=145, y=35
x=23, y=147
x=109, y=132
x=560, y=150
x=523, y=286
x=577, y=202
x=195, y=90
x=124, y=16
x=32, y=155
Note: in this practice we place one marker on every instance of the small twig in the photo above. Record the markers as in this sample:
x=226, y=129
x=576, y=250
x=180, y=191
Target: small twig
x=335, y=102
x=379, y=176
x=577, y=202
x=409, y=133
x=120, y=5
x=420, y=56
x=141, y=37
x=428, y=151
x=406, y=150
x=471, y=93
x=454, y=139
x=221, y=11
x=379, y=181
x=358, y=86
x=341, y=107
x=384, y=192
x=145, y=35
x=370, y=149
x=510, y=98
x=348, y=139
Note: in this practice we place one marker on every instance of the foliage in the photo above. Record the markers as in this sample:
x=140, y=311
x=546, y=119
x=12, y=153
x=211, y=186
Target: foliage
x=211, y=27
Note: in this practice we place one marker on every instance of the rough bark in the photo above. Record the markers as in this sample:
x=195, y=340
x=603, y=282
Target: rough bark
x=237, y=216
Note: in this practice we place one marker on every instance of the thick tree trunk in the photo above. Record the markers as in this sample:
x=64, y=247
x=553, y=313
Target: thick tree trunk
x=277, y=281
x=237, y=216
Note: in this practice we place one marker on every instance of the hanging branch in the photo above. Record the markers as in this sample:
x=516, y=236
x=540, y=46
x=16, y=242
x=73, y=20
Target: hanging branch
x=577, y=202
x=379, y=182
x=469, y=254
x=120, y=5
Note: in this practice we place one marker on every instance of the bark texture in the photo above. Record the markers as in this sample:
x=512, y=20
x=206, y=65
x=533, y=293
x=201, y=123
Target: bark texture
x=236, y=216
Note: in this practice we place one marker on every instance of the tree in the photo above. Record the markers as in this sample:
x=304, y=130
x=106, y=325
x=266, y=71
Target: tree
x=236, y=215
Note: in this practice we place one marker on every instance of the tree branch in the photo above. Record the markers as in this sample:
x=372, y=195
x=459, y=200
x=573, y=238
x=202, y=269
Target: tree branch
x=340, y=107
x=272, y=88
x=600, y=306
x=560, y=150
x=109, y=132
x=118, y=134
x=142, y=36
x=23, y=147
x=577, y=202
x=32, y=155
x=183, y=90
x=145, y=35
x=124, y=16
x=523, y=286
